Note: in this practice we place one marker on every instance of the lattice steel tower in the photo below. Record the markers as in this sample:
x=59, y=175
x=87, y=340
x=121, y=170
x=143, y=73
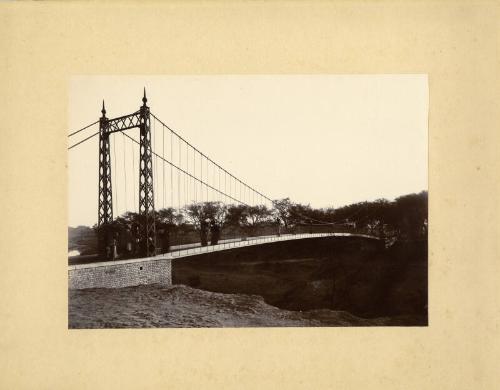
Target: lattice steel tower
x=140, y=119
x=146, y=188
x=105, y=189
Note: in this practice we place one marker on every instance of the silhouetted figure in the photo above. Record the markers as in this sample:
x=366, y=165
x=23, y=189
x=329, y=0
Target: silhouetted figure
x=278, y=223
x=129, y=240
x=151, y=246
x=204, y=232
x=214, y=233
x=165, y=239
x=136, y=239
x=113, y=253
x=111, y=247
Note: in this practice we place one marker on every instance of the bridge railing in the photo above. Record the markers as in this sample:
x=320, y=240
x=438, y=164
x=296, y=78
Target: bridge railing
x=190, y=238
x=189, y=250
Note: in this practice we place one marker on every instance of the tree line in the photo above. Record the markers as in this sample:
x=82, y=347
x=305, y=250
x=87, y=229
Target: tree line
x=406, y=217
x=403, y=218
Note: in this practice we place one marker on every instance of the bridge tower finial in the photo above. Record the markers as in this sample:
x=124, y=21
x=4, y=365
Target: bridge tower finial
x=144, y=99
x=103, y=109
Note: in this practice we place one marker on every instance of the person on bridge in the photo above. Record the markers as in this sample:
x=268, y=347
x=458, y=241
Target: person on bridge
x=204, y=232
x=165, y=235
x=111, y=246
x=129, y=239
x=135, y=238
x=114, y=253
x=214, y=233
x=278, y=223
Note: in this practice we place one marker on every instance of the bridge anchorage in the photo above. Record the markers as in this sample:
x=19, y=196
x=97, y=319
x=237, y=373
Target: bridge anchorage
x=140, y=119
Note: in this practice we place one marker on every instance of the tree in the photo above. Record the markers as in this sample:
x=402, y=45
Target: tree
x=300, y=214
x=213, y=211
x=256, y=215
x=412, y=212
x=251, y=217
x=282, y=207
x=169, y=216
x=207, y=215
x=235, y=216
x=216, y=212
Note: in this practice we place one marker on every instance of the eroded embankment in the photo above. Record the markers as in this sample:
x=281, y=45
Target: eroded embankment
x=183, y=306
x=348, y=274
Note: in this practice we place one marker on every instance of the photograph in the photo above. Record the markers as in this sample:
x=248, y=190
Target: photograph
x=234, y=201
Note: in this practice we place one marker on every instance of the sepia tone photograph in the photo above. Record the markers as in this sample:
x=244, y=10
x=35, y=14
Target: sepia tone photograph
x=248, y=201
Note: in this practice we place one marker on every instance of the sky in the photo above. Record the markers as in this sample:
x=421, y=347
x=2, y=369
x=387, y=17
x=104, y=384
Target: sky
x=323, y=140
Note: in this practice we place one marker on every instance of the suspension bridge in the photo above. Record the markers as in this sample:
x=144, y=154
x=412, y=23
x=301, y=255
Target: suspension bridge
x=165, y=195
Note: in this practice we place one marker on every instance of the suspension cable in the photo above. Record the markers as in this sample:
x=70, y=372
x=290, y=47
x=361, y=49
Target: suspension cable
x=133, y=175
x=86, y=127
x=171, y=170
x=116, y=184
x=125, y=171
x=201, y=177
x=186, y=183
x=195, y=184
x=163, y=168
x=179, y=178
x=78, y=143
x=204, y=155
x=186, y=178
x=172, y=165
x=155, y=175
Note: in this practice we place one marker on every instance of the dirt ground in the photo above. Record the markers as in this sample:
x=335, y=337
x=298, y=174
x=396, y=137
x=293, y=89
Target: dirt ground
x=183, y=306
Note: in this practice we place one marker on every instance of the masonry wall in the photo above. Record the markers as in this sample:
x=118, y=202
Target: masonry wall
x=115, y=274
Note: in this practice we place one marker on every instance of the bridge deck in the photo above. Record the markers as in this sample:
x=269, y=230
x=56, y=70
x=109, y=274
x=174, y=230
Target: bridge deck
x=239, y=242
x=180, y=251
